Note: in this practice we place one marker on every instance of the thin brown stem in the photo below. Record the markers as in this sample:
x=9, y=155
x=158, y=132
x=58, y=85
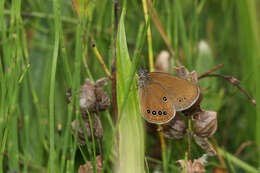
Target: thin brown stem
x=101, y=60
x=212, y=70
x=114, y=94
x=189, y=138
x=243, y=146
x=235, y=82
x=98, y=55
x=114, y=75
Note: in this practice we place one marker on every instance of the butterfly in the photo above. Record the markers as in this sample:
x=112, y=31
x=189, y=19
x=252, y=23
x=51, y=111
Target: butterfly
x=162, y=94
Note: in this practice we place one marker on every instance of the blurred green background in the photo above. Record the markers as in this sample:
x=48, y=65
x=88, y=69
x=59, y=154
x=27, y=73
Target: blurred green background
x=46, y=48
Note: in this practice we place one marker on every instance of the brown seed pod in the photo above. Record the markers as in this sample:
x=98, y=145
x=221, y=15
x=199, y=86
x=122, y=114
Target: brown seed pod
x=182, y=72
x=176, y=128
x=192, y=167
x=103, y=100
x=88, y=99
x=92, y=96
x=89, y=168
x=204, y=144
x=205, y=124
x=97, y=129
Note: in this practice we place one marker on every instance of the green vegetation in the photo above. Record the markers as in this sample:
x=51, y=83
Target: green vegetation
x=46, y=47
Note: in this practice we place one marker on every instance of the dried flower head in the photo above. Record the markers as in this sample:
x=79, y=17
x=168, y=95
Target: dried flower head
x=97, y=129
x=204, y=144
x=183, y=73
x=205, y=124
x=92, y=96
x=176, y=128
x=192, y=167
x=89, y=168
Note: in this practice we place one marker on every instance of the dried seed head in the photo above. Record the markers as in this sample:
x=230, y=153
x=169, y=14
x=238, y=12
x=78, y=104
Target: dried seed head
x=87, y=97
x=92, y=97
x=204, y=144
x=194, y=77
x=103, y=100
x=205, y=124
x=176, y=128
x=234, y=80
x=182, y=72
x=89, y=168
x=97, y=129
x=196, y=167
x=101, y=82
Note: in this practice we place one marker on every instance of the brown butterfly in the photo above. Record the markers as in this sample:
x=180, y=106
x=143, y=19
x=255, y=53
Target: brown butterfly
x=162, y=94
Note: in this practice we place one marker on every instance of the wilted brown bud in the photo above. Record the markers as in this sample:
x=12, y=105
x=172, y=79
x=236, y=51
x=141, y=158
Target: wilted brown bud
x=194, y=77
x=101, y=82
x=89, y=168
x=103, y=100
x=87, y=99
x=196, y=167
x=176, y=128
x=205, y=124
x=204, y=144
x=234, y=80
x=182, y=72
x=92, y=96
x=97, y=129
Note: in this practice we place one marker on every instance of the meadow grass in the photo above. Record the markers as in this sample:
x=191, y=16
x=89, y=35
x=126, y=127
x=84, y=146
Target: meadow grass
x=46, y=47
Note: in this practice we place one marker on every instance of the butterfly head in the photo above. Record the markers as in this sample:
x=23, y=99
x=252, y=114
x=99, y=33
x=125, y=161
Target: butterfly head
x=142, y=77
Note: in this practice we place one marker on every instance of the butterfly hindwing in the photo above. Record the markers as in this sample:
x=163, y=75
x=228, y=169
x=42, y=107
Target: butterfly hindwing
x=156, y=104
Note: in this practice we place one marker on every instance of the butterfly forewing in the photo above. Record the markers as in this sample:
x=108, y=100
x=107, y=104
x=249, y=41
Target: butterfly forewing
x=183, y=92
x=156, y=104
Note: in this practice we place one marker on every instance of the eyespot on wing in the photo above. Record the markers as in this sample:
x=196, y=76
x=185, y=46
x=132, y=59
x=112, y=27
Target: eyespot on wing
x=155, y=104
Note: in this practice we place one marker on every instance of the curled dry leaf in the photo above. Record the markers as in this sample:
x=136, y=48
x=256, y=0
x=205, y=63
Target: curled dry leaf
x=89, y=168
x=183, y=73
x=92, y=96
x=205, y=124
x=176, y=128
x=97, y=129
x=196, y=167
x=204, y=144
x=162, y=61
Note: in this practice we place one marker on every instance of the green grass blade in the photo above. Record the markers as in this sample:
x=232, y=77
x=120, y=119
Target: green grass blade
x=131, y=145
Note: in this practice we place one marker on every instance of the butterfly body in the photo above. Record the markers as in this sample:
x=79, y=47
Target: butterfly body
x=162, y=94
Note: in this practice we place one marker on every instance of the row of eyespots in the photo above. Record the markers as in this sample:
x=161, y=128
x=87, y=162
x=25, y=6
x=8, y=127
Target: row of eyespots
x=181, y=99
x=154, y=112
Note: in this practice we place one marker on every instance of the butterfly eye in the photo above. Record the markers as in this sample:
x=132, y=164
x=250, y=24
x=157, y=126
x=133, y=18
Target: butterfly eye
x=160, y=112
x=148, y=111
x=164, y=113
x=154, y=112
x=164, y=98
